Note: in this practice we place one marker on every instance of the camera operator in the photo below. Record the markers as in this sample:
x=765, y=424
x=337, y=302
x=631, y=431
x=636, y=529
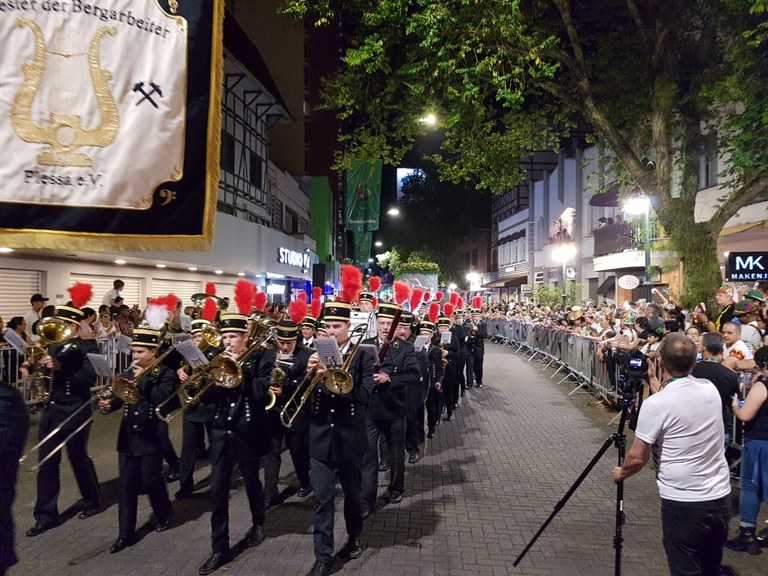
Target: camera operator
x=683, y=426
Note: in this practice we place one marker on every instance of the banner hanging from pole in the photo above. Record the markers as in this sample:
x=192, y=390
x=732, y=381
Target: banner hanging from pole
x=110, y=136
x=364, y=196
x=362, y=242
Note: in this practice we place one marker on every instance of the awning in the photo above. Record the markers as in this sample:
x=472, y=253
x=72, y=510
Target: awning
x=507, y=282
x=608, y=199
x=607, y=287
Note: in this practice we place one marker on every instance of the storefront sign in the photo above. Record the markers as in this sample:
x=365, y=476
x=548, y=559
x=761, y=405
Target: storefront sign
x=629, y=282
x=293, y=258
x=750, y=266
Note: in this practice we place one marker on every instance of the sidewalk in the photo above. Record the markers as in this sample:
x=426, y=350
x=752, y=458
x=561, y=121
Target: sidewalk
x=487, y=481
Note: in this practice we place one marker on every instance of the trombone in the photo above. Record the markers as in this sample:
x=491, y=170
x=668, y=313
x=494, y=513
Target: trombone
x=336, y=380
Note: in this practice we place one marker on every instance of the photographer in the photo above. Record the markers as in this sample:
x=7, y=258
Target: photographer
x=683, y=425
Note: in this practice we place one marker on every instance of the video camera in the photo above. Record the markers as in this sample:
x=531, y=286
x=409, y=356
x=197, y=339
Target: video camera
x=633, y=369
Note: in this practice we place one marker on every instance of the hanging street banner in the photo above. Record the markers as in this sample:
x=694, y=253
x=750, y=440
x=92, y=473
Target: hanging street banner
x=362, y=241
x=364, y=196
x=110, y=136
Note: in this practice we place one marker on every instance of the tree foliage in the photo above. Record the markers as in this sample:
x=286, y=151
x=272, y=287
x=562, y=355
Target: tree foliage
x=665, y=80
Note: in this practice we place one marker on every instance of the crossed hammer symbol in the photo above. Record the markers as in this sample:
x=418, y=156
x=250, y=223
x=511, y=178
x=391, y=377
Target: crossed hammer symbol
x=139, y=87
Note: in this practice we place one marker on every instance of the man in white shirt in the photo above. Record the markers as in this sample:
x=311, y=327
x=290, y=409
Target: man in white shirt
x=38, y=303
x=109, y=297
x=682, y=425
x=737, y=354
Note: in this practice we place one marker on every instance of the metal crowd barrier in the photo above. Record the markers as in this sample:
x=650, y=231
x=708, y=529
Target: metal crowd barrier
x=10, y=360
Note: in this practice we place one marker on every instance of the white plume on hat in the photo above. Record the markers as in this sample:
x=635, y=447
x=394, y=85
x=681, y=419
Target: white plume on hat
x=156, y=315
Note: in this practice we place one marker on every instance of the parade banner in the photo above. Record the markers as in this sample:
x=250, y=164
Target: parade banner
x=364, y=196
x=424, y=280
x=362, y=241
x=110, y=120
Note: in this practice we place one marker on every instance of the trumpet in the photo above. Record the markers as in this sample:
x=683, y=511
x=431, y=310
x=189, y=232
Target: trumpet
x=336, y=381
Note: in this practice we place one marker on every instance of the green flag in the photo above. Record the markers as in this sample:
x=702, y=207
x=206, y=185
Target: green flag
x=364, y=196
x=362, y=247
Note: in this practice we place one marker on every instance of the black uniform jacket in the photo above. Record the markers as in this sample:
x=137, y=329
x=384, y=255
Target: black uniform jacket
x=71, y=383
x=390, y=401
x=204, y=410
x=294, y=377
x=141, y=432
x=240, y=419
x=337, y=425
x=476, y=339
x=435, y=370
x=456, y=352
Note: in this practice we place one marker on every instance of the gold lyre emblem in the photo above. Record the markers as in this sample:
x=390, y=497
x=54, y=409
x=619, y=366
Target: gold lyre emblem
x=64, y=132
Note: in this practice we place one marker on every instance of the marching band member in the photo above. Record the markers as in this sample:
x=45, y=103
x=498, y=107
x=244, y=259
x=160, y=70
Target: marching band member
x=460, y=361
x=434, y=376
x=73, y=377
x=140, y=441
x=196, y=421
x=238, y=436
x=414, y=424
x=308, y=326
x=337, y=444
x=387, y=409
x=478, y=333
x=454, y=354
x=297, y=436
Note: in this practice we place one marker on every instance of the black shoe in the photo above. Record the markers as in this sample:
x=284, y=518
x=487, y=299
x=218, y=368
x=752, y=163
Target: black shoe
x=304, y=492
x=121, y=544
x=449, y=418
x=383, y=466
x=462, y=394
x=352, y=549
x=745, y=541
x=183, y=493
x=479, y=385
x=163, y=525
x=320, y=568
x=172, y=476
x=38, y=529
x=254, y=537
x=88, y=512
x=413, y=458
x=213, y=563
x=431, y=434
x=395, y=498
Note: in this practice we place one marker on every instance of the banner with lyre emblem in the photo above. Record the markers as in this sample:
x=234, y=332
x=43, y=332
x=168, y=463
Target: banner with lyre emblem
x=110, y=116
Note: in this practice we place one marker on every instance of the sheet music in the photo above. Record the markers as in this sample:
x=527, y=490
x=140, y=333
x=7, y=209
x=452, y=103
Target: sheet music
x=123, y=344
x=420, y=342
x=100, y=365
x=15, y=340
x=371, y=349
x=192, y=354
x=328, y=350
x=179, y=337
x=445, y=337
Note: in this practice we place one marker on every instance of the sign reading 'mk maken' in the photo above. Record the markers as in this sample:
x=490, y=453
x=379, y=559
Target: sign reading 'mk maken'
x=746, y=266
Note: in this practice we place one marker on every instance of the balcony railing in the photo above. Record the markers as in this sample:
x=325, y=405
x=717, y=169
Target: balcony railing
x=623, y=236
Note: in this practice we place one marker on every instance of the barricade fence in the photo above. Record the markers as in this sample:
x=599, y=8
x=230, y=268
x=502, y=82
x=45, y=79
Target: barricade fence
x=11, y=360
x=577, y=358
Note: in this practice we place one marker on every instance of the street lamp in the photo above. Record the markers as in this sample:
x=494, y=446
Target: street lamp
x=393, y=211
x=636, y=206
x=563, y=253
x=378, y=243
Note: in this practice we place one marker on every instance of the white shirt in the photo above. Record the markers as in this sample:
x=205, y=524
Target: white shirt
x=31, y=317
x=109, y=297
x=738, y=350
x=684, y=424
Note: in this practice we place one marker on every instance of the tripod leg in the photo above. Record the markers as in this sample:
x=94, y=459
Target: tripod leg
x=607, y=444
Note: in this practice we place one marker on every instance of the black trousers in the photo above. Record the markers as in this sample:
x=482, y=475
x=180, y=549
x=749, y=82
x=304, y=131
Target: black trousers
x=298, y=446
x=393, y=430
x=324, y=475
x=434, y=407
x=414, y=428
x=477, y=364
x=461, y=365
x=14, y=425
x=141, y=475
x=221, y=478
x=192, y=439
x=450, y=391
x=470, y=370
x=48, y=477
x=169, y=452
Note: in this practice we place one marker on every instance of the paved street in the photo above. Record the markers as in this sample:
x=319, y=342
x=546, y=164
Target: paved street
x=487, y=482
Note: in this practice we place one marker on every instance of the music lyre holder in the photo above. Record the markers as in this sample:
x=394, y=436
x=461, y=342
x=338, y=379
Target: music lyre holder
x=620, y=440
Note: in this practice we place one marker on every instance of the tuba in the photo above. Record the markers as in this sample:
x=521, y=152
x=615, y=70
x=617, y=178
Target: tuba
x=52, y=331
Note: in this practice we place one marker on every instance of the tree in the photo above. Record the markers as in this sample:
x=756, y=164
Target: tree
x=659, y=80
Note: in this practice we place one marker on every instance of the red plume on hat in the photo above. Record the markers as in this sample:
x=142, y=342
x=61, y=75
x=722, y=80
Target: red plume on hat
x=245, y=295
x=427, y=296
x=439, y=296
x=460, y=303
x=297, y=310
x=210, y=288
x=477, y=302
x=402, y=292
x=416, y=297
x=375, y=302
x=434, y=312
x=448, y=309
x=159, y=309
x=260, y=300
x=80, y=294
x=453, y=298
x=317, y=293
x=351, y=282
x=375, y=283
x=209, y=310
x=317, y=307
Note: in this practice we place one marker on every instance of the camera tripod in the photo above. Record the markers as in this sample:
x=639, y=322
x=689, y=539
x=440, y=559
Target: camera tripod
x=618, y=439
